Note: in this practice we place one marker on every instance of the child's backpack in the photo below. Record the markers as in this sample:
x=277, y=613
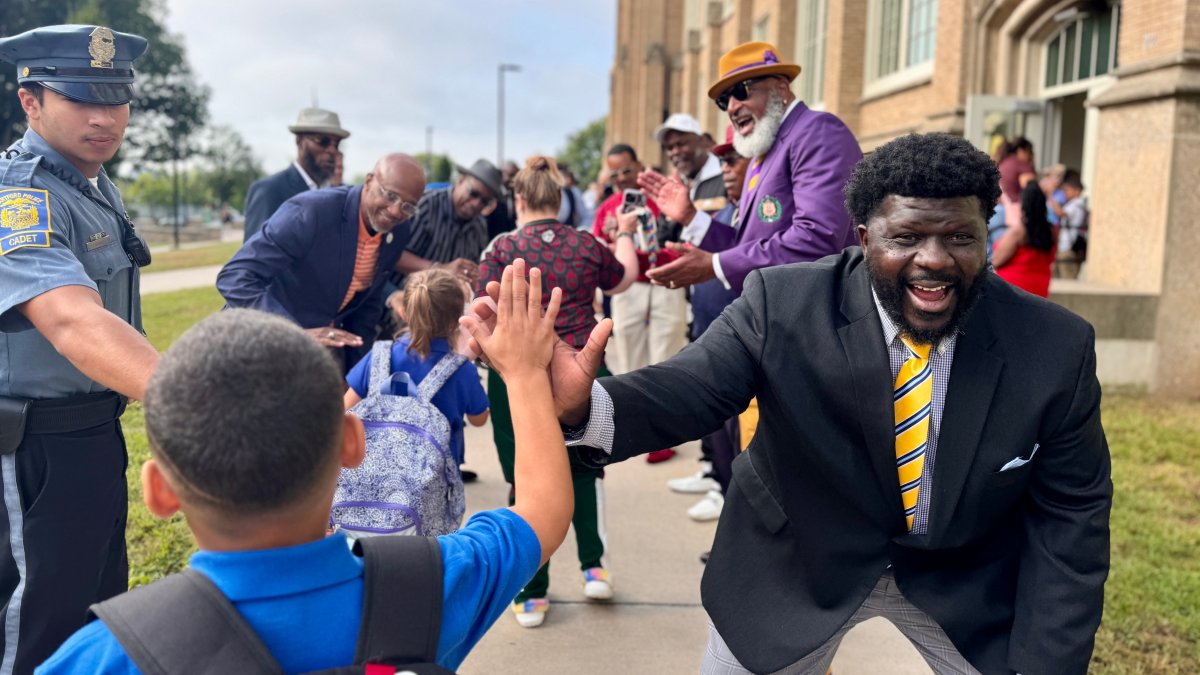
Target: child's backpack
x=183, y=623
x=409, y=482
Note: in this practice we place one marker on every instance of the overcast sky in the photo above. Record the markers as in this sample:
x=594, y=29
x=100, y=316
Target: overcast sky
x=390, y=68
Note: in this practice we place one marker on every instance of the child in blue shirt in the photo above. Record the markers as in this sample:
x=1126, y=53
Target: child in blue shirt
x=219, y=423
x=432, y=305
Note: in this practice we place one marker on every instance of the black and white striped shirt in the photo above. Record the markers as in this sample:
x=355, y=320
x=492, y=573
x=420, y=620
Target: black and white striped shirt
x=438, y=236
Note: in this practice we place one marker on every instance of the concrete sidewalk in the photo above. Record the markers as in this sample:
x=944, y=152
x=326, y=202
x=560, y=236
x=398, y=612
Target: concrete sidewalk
x=655, y=624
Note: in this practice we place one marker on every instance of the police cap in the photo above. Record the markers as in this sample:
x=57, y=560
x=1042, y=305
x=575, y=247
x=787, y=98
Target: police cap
x=89, y=64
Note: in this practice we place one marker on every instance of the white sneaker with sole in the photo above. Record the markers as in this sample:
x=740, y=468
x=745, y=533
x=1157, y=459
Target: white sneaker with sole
x=696, y=484
x=597, y=584
x=532, y=612
x=708, y=508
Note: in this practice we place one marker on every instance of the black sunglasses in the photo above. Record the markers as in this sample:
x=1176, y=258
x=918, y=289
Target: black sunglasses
x=325, y=141
x=485, y=199
x=740, y=91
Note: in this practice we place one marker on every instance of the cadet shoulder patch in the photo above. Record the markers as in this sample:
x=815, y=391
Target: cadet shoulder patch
x=24, y=219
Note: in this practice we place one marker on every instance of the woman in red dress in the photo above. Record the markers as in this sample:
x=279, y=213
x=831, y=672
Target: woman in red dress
x=1024, y=254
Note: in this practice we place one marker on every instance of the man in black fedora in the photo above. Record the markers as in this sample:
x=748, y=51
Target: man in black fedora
x=450, y=228
x=318, y=134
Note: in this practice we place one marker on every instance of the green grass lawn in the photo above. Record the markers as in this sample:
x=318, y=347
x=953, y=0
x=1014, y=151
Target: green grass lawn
x=200, y=256
x=1152, y=600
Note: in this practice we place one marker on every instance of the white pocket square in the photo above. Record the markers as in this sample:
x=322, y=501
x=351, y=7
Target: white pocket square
x=1017, y=462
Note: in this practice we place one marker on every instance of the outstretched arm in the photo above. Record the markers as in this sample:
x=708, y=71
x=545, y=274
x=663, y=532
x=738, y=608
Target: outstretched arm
x=520, y=348
x=572, y=371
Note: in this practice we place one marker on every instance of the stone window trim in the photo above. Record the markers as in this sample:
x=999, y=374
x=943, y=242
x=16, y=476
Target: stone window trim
x=901, y=74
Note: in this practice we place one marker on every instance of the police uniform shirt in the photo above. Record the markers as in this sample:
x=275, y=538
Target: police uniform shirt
x=56, y=230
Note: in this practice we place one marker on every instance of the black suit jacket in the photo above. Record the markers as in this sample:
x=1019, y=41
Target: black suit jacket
x=266, y=195
x=1014, y=562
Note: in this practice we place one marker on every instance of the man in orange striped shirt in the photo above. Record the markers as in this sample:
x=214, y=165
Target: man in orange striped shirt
x=323, y=256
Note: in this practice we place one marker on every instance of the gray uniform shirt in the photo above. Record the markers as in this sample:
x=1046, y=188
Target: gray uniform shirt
x=55, y=230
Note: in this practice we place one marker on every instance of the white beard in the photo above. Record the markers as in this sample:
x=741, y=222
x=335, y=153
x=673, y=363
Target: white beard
x=766, y=128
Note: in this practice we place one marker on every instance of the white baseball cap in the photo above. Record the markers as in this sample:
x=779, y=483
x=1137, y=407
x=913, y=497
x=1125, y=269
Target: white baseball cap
x=678, y=122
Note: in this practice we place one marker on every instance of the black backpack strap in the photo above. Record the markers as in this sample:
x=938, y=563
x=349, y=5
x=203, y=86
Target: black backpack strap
x=184, y=624
x=402, y=600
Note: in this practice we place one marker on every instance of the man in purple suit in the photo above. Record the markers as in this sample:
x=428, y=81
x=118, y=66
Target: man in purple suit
x=791, y=209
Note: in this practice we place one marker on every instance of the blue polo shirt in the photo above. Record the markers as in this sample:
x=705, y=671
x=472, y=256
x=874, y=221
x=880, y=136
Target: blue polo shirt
x=462, y=394
x=305, y=602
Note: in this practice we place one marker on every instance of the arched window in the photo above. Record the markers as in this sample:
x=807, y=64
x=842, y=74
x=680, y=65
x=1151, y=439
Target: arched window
x=1084, y=47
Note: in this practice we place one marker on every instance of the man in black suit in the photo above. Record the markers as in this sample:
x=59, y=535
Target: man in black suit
x=992, y=556
x=318, y=134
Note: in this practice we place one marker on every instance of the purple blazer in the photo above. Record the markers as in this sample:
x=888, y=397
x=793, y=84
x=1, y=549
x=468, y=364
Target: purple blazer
x=796, y=213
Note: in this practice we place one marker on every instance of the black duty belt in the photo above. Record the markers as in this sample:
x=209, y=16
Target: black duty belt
x=59, y=415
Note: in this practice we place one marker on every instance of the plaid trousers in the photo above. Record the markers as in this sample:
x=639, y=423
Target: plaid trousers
x=886, y=601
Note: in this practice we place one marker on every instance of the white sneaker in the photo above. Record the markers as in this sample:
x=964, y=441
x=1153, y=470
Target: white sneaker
x=532, y=612
x=708, y=508
x=698, y=483
x=694, y=485
x=597, y=584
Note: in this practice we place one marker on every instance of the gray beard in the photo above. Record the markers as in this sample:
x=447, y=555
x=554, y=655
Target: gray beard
x=766, y=128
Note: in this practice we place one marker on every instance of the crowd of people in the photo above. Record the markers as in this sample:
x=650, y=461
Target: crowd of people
x=828, y=325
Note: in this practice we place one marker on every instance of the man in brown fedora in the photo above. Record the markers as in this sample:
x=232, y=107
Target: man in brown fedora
x=318, y=134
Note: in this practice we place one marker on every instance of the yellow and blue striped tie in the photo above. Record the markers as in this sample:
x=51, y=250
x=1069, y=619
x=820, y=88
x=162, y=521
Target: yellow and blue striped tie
x=912, y=400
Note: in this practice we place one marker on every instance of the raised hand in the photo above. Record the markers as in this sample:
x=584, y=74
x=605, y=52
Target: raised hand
x=571, y=371
x=670, y=194
x=521, y=341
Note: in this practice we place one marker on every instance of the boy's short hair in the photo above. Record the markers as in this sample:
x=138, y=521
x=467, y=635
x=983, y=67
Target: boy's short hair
x=245, y=410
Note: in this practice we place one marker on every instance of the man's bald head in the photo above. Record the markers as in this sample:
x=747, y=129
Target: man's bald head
x=392, y=190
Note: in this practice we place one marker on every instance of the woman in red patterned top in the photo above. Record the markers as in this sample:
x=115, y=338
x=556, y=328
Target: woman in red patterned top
x=577, y=263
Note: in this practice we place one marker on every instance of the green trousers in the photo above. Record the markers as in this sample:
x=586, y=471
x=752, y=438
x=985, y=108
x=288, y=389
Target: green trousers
x=589, y=537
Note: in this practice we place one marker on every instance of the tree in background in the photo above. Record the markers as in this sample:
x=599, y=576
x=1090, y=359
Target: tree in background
x=584, y=151
x=17, y=17
x=230, y=166
x=437, y=167
x=170, y=105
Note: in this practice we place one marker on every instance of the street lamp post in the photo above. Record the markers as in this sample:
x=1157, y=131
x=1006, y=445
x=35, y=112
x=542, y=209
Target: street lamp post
x=500, y=70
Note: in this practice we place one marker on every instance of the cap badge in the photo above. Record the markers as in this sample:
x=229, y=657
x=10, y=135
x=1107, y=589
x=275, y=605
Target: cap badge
x=25, y=71
x=102, y=47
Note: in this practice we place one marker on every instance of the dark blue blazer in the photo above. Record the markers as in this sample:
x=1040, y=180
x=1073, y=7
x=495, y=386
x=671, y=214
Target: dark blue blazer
x=300, y=266
x=267, y=194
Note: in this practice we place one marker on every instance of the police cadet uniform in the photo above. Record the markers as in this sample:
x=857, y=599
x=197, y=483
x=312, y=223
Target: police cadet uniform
x=62, y=454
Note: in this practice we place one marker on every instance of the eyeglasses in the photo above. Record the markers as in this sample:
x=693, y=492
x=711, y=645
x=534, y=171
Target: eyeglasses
x=324, y=142
x=407, y=209
x=739, y=91
x=730, y=159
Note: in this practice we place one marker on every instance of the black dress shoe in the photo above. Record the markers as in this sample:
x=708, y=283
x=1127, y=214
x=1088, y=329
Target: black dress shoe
x=468, y=476
x=704, y=557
